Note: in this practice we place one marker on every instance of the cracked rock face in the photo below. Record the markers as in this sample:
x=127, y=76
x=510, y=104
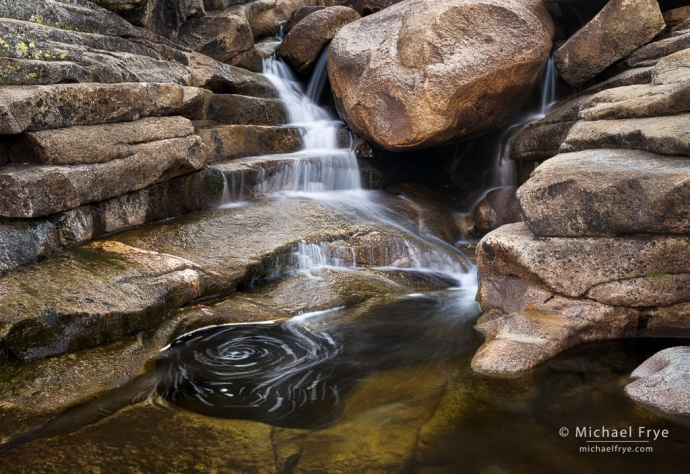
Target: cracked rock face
x=420, y=72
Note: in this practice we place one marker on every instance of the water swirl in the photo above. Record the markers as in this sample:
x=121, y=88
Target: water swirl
x=272, y=373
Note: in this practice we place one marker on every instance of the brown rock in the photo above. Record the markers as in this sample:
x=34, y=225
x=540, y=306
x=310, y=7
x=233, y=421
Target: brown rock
x=664, y=135
x=242, y=110
x=608, y=192
x=541, y=140
x=525, y=338
x=367, y=7
x=266, y=23
x=303, y=44
x=659, y=49
x=36, y=190
x=571, y=266
x=638, y=101
x=421, y=73
x=620, y=27
x=676, y=16
x=31, y=108
x=223, y=34
x=228, y=142
x=653, y=290
x=498, y=208
x=97, y=143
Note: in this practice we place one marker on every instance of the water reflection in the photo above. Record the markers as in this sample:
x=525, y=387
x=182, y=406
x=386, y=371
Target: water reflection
x=296, y=374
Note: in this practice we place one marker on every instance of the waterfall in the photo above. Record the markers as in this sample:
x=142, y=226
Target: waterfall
x=322, y=165
x=319, y=77
x=548, y=87
x=503, y=171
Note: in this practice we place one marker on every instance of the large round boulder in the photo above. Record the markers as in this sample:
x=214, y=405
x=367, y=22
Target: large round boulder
x=303, y=44
x=424, y=72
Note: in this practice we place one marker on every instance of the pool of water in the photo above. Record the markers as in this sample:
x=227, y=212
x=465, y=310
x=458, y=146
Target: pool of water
x=383, y=387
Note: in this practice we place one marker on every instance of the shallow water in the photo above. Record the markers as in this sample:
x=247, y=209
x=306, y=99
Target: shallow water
x=407, y=402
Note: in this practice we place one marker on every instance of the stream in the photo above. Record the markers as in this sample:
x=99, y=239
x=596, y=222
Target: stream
x=380, y=386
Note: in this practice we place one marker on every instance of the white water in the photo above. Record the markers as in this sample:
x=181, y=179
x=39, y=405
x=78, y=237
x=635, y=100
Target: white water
x=325, y=172
x=503, y=172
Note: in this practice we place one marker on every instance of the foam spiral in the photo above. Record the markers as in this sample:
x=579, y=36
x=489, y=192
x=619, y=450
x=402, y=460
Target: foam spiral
x=262, y=372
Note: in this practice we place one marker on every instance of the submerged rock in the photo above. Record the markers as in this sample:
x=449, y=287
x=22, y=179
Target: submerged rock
x=620, y=27
x=662, y=383
x=303, y=44
x=421, y=73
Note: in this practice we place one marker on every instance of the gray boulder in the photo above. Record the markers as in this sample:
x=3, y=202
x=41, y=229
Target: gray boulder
x=662, y=383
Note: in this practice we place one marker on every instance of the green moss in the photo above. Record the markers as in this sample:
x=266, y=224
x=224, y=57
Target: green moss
x=657, y=275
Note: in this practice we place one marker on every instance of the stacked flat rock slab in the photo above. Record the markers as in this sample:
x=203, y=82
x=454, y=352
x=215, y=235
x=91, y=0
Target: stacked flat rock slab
x=621, y=27
x=604, y=249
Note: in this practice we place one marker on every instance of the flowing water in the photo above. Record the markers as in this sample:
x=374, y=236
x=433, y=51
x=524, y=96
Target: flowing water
x=384, y=385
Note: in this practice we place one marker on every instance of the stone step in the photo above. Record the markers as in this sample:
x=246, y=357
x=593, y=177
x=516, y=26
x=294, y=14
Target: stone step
x=542, y=325
x=33, y=108
x=228, y=142
x=109, y=289
x=664, y=135
x=42, y=55
x=32, y=190
x=609, y=192
x=233, y=109
x=96, y=143
x=574, y=266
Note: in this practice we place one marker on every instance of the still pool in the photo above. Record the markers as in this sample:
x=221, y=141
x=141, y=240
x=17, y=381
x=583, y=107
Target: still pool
x=383, y=387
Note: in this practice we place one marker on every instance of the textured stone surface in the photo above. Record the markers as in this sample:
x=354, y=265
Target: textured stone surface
x=223, y=34
x=303, y=44
x=32, y=108
x=668, y=93
x=80, y=15
x=608, y=192
x=421, y=73
x=620, y=27
x=528, y=337
x=653, y=290
x=664, y=135
x=266, y=23
x=662, y=383
x=541, y=140
x=498, y=208
x=227, y=142
x=36, y=190
x=571, y=266
x=659, y=49
x=242, y=110
x=676, y=16
x=97, y=143
x=23, y=242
